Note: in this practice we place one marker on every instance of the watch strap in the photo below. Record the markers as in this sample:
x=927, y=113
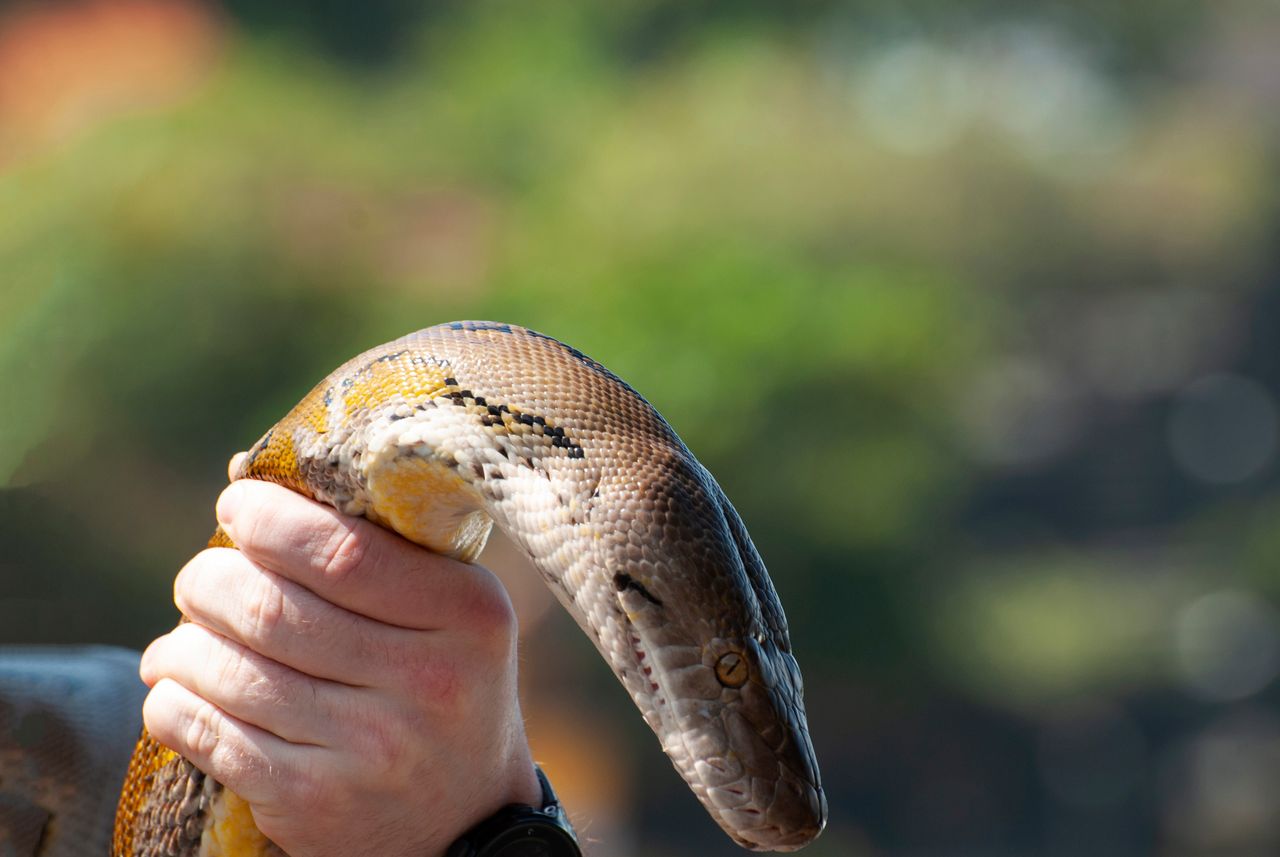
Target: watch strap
x=519, y=830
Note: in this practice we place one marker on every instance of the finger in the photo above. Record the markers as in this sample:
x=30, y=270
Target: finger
x=233, y=466
x=225, y=591
x=259, y=691
x=358, y=565
x=251, y=762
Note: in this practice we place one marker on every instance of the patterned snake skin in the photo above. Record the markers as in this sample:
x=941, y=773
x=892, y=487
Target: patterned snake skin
x=444, y=432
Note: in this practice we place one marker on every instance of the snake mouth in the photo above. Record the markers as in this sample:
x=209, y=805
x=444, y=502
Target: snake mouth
x=738, y=747
x=785, y=816
x=770, y=799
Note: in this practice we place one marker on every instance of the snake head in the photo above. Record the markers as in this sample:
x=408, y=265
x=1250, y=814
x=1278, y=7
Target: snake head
x=700, y=640
x=748, y=749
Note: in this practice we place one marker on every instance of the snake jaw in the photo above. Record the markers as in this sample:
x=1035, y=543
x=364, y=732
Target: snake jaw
x=763, y=787
x=735, y=743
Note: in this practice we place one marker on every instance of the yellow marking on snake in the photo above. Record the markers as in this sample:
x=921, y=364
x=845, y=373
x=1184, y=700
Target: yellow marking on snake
x=231, y=831
x=428, y=503
x=385, y=380
x=278, y=458
x=314, y=414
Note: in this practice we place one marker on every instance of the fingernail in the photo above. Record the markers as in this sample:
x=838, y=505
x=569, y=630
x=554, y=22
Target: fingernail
x=229, y=502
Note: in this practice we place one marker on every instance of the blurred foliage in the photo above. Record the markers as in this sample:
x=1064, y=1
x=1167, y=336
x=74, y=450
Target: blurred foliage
x=923, y=289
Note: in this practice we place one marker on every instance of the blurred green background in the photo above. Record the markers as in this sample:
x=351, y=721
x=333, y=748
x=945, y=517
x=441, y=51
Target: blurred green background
x=971, y=307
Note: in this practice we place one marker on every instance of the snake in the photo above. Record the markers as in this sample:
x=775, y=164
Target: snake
x=443, y=433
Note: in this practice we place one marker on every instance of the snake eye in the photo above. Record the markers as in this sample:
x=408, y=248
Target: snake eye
x=731, y=670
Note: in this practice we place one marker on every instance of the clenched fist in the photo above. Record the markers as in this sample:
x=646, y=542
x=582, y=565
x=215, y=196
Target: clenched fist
x=358, y=691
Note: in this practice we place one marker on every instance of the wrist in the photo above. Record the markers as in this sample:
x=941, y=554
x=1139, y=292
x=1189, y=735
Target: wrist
x=526, y=785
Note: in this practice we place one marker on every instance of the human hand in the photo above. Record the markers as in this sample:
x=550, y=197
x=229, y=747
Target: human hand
x=358, y=691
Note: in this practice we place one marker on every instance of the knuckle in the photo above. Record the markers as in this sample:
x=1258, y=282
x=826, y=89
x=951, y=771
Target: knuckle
x=157, y=716
x=304, y=789
x=438, y=685
x=344, y=551
x=185, y=639
x=254, y=523
x=265, y=609
x=201, y=734
x=189, y=582
x=382, y=745
x=492, y=617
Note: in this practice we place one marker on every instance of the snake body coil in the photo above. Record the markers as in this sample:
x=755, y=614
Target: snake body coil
x=444, y=432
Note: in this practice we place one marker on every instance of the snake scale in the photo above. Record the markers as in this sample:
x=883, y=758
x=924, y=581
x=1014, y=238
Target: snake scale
x=444, y=432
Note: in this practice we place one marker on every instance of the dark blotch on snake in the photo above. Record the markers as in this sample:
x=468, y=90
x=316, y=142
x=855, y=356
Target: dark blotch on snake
x=623, y=581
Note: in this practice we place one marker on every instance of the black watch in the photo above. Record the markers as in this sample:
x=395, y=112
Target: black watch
x=518, y=830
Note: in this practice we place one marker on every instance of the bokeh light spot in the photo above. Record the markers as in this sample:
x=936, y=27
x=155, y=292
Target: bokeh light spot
x=1227, y=645
x=1223, y=429
x=1221, y=788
